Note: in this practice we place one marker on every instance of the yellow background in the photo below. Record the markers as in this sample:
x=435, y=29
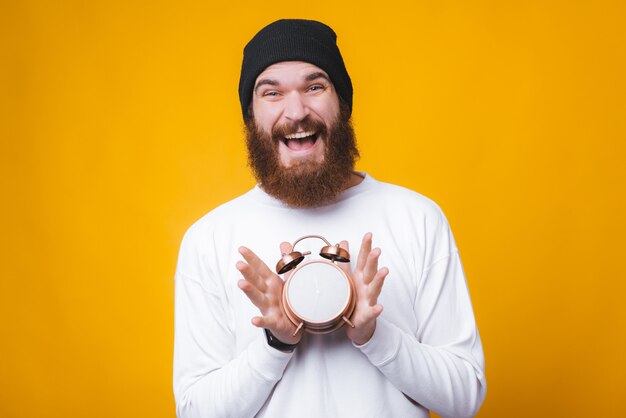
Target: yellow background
x=120, y=126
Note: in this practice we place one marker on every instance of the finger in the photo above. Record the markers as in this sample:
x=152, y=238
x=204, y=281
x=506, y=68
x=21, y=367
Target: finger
x=366, y=247
x=372, y=313
x=256, y=263
x=375, y=311
x=368, y=315
x=371, y=265
x=285, y=248
x=251, y=276
x=256, y=297
x=345, y=266
x=263, y=322
x=376, y=286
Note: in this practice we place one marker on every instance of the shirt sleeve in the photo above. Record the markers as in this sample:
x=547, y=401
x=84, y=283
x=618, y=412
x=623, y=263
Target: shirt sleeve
x=210, y=380
x=441, y=365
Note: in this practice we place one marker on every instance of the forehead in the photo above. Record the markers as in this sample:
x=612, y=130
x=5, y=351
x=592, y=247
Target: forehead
x=288, y=71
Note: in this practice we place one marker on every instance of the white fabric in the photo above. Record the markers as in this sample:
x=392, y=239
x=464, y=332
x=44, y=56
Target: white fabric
x=425, y=353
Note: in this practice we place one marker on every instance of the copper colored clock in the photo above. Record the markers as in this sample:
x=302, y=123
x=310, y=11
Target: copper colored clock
x=318, y=296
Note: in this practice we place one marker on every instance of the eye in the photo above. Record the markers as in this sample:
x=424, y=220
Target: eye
x=270, y=93
x=316, y=87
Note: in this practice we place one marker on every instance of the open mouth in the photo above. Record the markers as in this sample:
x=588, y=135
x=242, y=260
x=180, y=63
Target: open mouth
x=300, y=141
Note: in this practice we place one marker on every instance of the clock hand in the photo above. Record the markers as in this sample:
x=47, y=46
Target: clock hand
x=317, y=293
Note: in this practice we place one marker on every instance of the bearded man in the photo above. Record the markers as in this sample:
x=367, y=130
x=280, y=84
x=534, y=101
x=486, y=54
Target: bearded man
x=239, y=352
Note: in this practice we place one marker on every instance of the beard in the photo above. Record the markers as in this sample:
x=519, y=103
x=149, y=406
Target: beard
x=304, y=184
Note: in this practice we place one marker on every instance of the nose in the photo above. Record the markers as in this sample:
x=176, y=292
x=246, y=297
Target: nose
x=296, y=108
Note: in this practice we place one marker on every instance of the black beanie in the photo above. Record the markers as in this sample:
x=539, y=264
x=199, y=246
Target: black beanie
x=293, y=40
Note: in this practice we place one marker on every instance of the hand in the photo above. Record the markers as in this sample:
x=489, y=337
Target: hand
x=368, y=282
x=264, y=289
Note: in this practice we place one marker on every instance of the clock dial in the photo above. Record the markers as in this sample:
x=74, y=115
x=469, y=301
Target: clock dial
x=318, y=292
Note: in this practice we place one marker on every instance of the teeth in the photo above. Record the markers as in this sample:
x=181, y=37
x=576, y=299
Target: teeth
x=299, y=135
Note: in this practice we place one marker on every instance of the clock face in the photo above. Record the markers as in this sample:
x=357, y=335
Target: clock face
x=318, y=292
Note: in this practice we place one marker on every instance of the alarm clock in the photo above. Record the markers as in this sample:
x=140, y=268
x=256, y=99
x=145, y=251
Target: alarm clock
x=318, y=297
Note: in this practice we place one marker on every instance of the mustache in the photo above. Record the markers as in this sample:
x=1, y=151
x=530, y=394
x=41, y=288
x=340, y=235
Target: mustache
x=280, y=131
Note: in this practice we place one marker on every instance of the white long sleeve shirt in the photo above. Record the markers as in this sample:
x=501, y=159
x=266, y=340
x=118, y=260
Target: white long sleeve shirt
x=425, y=354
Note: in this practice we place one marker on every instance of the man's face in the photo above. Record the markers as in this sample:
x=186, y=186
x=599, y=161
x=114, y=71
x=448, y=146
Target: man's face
x=297, y=101
x=300, y=140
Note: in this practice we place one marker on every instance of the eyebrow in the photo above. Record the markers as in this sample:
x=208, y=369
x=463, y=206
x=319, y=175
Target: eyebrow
x=265, y=82
x=316, y=75
x=310, y=77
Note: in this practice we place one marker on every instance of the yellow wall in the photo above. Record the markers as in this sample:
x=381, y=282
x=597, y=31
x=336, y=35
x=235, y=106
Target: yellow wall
x=120, y=126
